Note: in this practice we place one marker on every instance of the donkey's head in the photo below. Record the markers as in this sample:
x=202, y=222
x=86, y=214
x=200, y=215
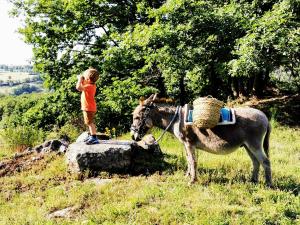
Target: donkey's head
x=142, y=118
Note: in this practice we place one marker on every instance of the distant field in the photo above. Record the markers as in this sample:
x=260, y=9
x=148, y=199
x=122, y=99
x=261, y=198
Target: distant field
x=6, y=76
x=12, y=80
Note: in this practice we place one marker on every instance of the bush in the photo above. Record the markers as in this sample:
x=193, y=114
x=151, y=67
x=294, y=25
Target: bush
x=285, y=81
x=117, y=102
x=68, y=130
x=52, y=111
x=26, y=89
x=21, y=137
x=38, y=110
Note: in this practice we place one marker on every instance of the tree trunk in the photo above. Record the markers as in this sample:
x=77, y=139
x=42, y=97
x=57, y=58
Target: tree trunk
x=182, y=96
x=214, y=84
x=260, y=82
x=234, y=87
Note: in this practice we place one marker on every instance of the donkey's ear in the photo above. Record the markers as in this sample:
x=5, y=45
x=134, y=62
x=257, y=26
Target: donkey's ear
x=149, y=100
x=141, y=101
x=151, y=97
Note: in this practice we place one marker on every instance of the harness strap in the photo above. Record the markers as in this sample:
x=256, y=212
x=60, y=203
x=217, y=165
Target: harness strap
x=173, y=119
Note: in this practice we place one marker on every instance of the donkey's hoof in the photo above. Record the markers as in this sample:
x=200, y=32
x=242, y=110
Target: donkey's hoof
x=187, y=174
x=192, y=181
x=270, y=185
x=254, y=181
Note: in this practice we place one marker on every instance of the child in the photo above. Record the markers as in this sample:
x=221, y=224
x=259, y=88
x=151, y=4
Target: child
x=86, y=84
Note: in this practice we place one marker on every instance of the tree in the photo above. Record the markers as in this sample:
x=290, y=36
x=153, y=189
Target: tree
x=187, y=47
x=272, y=41
x=181, y=48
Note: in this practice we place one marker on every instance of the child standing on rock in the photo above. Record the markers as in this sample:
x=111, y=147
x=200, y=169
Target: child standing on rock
x=86, y=84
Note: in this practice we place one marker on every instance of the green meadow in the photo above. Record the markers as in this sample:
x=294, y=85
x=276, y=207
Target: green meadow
x=245, y=53
x=223, y=194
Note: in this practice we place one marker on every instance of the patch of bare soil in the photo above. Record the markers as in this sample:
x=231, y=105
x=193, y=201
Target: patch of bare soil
x=19, y=162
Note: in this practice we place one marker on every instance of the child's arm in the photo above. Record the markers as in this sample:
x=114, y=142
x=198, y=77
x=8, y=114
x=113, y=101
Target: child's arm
x=79, y=84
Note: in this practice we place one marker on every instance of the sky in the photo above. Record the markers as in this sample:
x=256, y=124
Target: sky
x=13, y=50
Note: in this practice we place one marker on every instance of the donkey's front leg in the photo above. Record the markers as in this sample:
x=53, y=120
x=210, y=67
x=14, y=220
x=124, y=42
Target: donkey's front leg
x=188, y=171
x=192, y=162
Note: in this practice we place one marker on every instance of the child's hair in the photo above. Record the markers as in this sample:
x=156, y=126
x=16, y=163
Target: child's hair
x=93, y=74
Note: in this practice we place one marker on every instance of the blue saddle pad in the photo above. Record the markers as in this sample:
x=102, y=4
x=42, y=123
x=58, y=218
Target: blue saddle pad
x=190, y=116
x=225, y=115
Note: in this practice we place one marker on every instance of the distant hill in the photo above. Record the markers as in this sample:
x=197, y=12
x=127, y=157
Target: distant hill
x=17, y=68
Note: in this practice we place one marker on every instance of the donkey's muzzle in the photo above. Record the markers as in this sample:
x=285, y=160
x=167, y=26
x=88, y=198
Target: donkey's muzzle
x=134, y=134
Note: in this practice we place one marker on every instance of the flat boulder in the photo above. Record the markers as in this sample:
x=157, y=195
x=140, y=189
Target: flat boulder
x=114, y=156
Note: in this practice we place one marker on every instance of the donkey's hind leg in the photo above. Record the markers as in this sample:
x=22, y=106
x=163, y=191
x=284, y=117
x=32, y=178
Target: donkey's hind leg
x=255, y=163
x=264, y=161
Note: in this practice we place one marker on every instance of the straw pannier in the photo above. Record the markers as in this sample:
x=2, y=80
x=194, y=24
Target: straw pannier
x=206, y=113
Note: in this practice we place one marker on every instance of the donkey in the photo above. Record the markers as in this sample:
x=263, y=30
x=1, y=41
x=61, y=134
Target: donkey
x=251, y=130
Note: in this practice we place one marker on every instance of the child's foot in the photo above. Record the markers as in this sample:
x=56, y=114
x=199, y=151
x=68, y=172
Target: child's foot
x=92, y=140
x=87, y=138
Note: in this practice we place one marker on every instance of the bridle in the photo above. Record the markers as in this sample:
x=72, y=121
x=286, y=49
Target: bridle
x=142, y=123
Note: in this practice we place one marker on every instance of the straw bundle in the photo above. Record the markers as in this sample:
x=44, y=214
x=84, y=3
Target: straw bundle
x=206, y=113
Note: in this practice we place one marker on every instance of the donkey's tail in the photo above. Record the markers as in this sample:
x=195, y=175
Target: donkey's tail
x=267, y=139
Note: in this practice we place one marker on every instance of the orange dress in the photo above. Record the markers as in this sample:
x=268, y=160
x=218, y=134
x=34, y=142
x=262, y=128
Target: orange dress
x=88, y=102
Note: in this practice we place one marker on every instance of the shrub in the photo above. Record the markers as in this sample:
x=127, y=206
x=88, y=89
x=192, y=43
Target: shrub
x=38, y=110
x=117, y=102
x=21, y=137
x=56, y=109
x=285, y=81
x=26, y=89
x=68, y=130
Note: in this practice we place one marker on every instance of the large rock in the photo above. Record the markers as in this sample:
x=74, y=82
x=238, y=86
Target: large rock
x=100, y=157
x=55, y=145
x=114, y=156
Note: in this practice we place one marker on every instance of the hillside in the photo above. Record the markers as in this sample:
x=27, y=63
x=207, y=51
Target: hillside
x=223, y=194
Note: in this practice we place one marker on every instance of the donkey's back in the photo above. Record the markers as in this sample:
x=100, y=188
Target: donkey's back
x=249, y=130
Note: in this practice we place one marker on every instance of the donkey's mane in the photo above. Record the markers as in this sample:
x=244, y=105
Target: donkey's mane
x=164, y=100
x=165, y=105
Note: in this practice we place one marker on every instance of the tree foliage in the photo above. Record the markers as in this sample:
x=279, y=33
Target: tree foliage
x=180, y=48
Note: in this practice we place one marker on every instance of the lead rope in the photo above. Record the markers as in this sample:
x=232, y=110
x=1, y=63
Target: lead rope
x=174, y=117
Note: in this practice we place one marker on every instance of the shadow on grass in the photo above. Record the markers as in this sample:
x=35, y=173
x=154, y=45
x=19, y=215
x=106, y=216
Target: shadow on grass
x=206, y=175
x=221, y=175
x=288, y=184
x=148, y=164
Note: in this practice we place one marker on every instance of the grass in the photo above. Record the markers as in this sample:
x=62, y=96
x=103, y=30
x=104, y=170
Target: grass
x=223, y=194
x=5, y=150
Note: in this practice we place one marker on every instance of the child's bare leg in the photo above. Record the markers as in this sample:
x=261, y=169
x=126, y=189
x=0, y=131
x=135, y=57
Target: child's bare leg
x=92, y=129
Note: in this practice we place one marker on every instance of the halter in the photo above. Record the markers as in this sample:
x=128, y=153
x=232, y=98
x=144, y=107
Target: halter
x=143, y=122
